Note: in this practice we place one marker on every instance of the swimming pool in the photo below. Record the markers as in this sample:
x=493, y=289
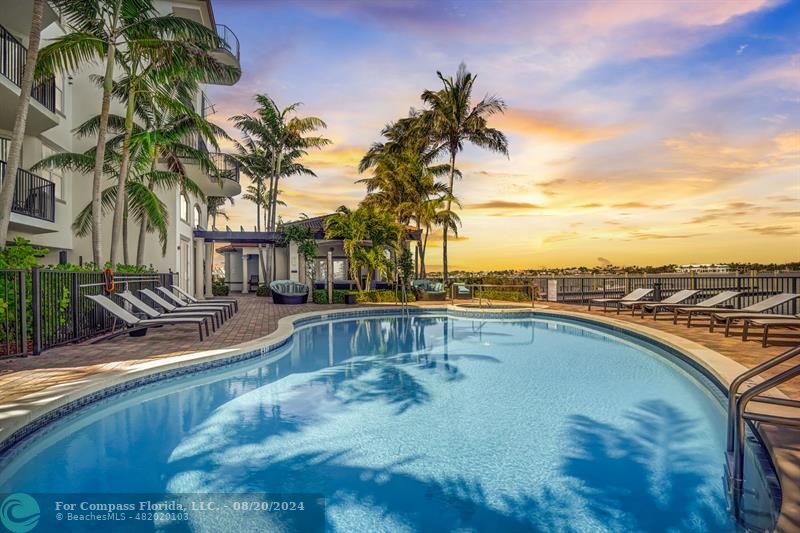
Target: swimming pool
x=423, y=423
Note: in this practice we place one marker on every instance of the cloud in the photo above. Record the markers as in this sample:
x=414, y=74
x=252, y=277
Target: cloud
x=645, y=236
x=335, y=157
x=776, y=230
x=603, y=261
x=554, y=125
x=560, y=237
x=741, y=49
x=504, y=204
x=639, y=205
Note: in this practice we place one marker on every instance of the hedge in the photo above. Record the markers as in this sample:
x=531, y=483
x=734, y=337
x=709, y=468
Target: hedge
x=320, y=296
x=507, y=296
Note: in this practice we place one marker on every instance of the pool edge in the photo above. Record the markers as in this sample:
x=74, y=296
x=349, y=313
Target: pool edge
x=15, y=429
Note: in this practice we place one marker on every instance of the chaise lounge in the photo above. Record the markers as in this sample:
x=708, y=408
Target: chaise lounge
x=288, y=292
x=766, y=324
x=718, y=299
x=136, y=326
x=756, y=310
x=629, y=298
x=678, y=297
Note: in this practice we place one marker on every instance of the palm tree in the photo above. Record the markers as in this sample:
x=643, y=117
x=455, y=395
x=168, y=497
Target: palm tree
x=434, y=213
x=403, y=177
x=260, y=196
x=366, y=236
x=451, y=120
x=21, y=119
x=100, y=30
x=274, y=141
x=215, y=208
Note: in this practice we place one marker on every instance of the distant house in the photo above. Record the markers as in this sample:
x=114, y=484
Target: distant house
x=707, y=268
x=243, y=273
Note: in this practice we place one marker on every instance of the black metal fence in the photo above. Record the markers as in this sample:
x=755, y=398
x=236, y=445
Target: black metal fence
x=12, y=65
x=55, y=309
x=34, y=196
x=754, y=287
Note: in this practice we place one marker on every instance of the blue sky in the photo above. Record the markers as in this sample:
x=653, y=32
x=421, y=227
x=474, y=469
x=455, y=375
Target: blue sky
x=641, y=132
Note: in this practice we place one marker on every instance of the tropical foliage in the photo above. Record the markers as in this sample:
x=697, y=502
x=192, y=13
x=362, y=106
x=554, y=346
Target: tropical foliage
x=370, y=239
x=151, y=52
x=273, y=141
x=404, y=173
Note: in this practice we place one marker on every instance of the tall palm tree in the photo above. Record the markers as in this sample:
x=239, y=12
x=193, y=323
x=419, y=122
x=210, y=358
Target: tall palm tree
x=20, y=120
x=451, y=120
x=102, y=30
x=260, y=196
x=434, y=213
x=274, y=141
x=215, y=208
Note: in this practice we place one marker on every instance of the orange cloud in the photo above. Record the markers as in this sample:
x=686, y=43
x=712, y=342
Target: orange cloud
x=554, y=125
x=335, y=157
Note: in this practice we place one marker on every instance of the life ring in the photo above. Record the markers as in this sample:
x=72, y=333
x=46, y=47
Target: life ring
x=108, y=280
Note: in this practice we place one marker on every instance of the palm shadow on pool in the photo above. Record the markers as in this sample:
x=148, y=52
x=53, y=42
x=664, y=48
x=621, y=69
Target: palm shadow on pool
x=645, y=476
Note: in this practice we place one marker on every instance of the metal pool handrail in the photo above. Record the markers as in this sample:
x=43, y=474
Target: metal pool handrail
x=737, y=413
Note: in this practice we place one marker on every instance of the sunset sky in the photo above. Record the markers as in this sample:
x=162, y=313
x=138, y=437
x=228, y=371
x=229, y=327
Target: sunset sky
x=640, y=132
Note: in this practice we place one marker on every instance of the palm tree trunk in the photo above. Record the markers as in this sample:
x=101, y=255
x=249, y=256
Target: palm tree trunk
x=258, y=204
x=449, y=203
x=140, y=243
x=125, y=258
x=422, y=272
x=18, y=134
x=100, y=153
x=119, y=207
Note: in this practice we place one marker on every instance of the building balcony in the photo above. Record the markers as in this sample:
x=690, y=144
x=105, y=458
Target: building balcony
x=41, y=113
x=34, y=197
x=225, y=182
x=227, y=54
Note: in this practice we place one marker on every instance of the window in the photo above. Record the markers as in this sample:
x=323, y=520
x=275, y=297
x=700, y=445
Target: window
x=184, y=208
x=55, y=174
x=339, y=270
x=60, y=93
x=198, y=216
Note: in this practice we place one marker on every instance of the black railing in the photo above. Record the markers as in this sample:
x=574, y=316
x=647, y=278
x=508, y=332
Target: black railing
x=227, y=166
x=45, y=308
x=229, y=40
x=34, y=196
x=12, y=66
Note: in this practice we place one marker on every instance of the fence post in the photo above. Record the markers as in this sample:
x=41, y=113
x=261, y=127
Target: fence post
x=23, y=313
x=74, y=301
x=36, y=310
x=794, y=291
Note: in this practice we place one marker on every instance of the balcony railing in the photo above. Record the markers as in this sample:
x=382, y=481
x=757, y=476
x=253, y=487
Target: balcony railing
x=12, y=65
x=34, y=196
x=229, y=40
x=228, y=167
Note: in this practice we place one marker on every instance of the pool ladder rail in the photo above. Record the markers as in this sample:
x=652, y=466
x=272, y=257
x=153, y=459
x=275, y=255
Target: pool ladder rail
x=783, y=412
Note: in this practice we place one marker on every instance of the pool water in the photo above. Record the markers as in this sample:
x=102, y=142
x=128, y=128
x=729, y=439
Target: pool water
x=418, y=423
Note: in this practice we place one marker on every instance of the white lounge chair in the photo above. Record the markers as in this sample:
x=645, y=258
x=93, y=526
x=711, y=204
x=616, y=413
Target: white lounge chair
x=632, y=296
x=678, y=297
x=135, y=302
x=227, y=308
x=135, y=324
x=192, y=299
x=754, y=309
x=164, y=304
x=766, y=324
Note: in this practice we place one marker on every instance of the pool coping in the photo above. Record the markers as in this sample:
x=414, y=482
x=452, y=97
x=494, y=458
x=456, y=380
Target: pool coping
x=57, y=404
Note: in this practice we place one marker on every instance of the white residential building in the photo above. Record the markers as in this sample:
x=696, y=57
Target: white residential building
x=46, y=203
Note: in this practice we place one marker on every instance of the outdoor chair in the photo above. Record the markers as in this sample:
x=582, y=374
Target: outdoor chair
x=766, y=324
x=656, y=307
x=728, y=319
x=755, y=310
x=678, y=297
x=230, y=301
x=174, y=311
x=632, y=296
x=164, y=304
x=285, y=292
x=137, y=326
x=429, y=291
x=168, y=294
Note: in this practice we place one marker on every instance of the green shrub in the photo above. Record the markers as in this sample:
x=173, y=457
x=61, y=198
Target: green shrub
x=381, y=296
x=263, y=290
x=507, y=296
x=320, y=296
x=219, y=288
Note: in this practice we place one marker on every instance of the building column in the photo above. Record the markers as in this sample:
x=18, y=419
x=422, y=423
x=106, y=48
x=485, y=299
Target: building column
x=209, y=268
x=199, y=244
x=245, y=275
